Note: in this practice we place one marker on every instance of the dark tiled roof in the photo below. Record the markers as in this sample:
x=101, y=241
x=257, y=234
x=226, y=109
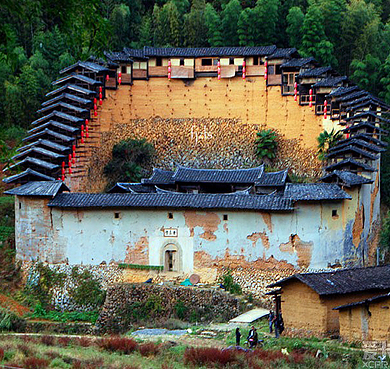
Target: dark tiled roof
x=346, y=178
x=46, y=143
x=135, y=53
x=59, y=114
x=367, y=114
x=218, y=175
x=61, y=104
x=93, y=67
x=314, y=192
x=364, y=302
x=356, y=142
x=352, y=96
x=352, y=148
x=341, y=91
x=315, y=72
x=34, y=161
x=53, y=123
x=209, y=51
x=118, y=56
x=79, y=77
x=159, y=176
x=40, y=151
x=363, y=98
x=349, y=162
x=71, y=97
x=72, y=88
x=365, y=124
x=370, y=102
x=27, y=176
x=46, y=189
x=330, y=81
x=344, y=281
x=367, y=138
x=283, y=53
x=272, y=178
x=174, y=200
x=49, y=132
x=297, y=63
x=122, y=187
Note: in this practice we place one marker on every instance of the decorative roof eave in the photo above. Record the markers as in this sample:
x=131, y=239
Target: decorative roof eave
x=362, y=125
x=51, y=133
x=61, y=104
x=34, y=161
x=341, y=91
x=283, y=53
x=346, y=179
x=47, y=143
x=331, y=81
x=39, y=188
x=37, y=150
x=119, y=57
x=27, y=176
x=354, y=149
x=79, y=77
x=92, y=67
x=59, y=114
x=73, y=88
x=350, y=161
x=71, y=97
x=367, y=114
x=357, y=142
x=315, y=192
x=315, y=72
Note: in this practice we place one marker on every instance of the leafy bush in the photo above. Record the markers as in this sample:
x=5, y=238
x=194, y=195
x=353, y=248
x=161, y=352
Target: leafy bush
x=9, y=321
x=229, y=284
x=118, y=344
x=129, y=160
x=266, y=144
x=48, y=340
x=148, y=349
x=35, y=363
x=65, y=316
x=1, y=353
x=88, y=291
x=209, y=356
x=181, y=309
x=384, y=240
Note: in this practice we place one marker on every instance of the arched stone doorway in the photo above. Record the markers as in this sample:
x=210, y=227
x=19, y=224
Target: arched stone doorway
x=171, y=258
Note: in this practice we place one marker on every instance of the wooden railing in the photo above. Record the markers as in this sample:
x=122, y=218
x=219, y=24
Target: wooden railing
x=305, y=99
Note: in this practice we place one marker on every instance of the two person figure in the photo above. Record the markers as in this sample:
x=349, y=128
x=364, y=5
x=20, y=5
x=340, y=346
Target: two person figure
x=252, y=337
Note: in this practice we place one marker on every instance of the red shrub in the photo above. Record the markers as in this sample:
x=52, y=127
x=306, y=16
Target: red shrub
x=25, y=350
x=149, y=348
x=1, y=354
x=93, y=364
x=35, y=363
x=27, y=338
x=83, y=341
x=52, y=355
x=63, y=341
x=48, y=340
x=119, y=344
x=208, y=355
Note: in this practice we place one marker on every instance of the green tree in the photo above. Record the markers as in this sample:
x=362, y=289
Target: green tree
x=120, y=22
x=146, y=33
x=245, y=30
x=130, y=160
x=230, y=15
x=266, y=19
x=195, y=28
x=327, y=140
x=385, y=81
x=295, y=20
x=266, y=145
x=213, y=23
x=365, y=73
x=175, y=25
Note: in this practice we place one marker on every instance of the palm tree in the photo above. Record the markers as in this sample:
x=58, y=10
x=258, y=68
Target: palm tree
x=266, y=145
x=326, y=140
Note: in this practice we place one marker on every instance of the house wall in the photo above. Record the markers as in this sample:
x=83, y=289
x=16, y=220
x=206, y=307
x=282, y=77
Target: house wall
x=309, y=237
x=356, y=323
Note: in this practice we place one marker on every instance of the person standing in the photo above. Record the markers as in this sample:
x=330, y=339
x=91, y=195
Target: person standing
x=238, y=336
x=271, y=317
x=251, y=337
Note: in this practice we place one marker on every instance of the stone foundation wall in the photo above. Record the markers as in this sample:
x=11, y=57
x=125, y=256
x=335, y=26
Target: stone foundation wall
x=160, y=302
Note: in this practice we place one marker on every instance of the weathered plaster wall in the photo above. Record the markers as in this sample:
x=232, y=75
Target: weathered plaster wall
x=309, y=237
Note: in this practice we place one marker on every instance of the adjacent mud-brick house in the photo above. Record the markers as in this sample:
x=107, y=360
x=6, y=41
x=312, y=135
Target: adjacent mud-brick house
x=367, y=319
x=308, y=300
x=122, y=65
x=291, y=69
x=274, y=63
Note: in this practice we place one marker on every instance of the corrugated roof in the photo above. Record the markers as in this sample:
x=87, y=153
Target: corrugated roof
x=343, y=281
x=171, y=201
x=315, y=192
x=364, y=302
x=297, y=63
x=315, y=72
x=330, y=81
x=65, y=95
x=249, y=176
x=354, y=149
x=159, y=176
x=79, y=77
x=48, y=132
x=26, y=176
x=209, y=51
x=273, y=178
x=44, y=188
x=346, y=178
x=73, y=88
x=349, y=162
x=58, y=114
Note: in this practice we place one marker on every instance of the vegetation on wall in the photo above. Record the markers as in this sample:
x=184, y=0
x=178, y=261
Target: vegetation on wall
x=327, y=140
x=131, y=160
x=266, y=145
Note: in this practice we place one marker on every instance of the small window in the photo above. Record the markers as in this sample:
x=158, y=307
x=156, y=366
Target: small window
x=170, y=215
x=123, y=69
x=158, y=62
x=334, y=213
x=215, y=62
x=271, y=69
x=20, y=205
x=231, y=61
x=207, y=62
x=225, y=217
x=181, y=62
x=117, y=215
x=255, y=60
